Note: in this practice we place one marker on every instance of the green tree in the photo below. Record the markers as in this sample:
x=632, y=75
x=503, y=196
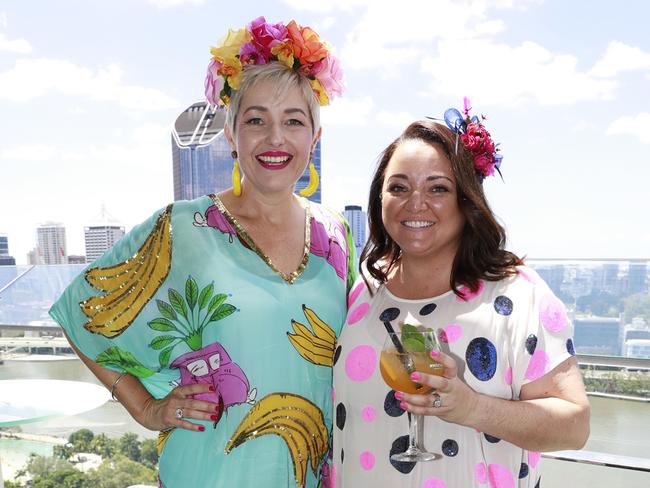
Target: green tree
x=129, y=445
x=149, y=453
x=637, y=306
x=13, y=484
x=599, y=303
x=119, y=472
x=103, y=445
x=81, y=440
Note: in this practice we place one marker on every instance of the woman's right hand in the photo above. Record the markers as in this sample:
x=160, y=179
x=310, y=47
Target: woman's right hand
x=162, y=414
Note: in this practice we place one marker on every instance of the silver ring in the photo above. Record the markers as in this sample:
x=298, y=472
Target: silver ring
x=437, y=401
x=179, y=413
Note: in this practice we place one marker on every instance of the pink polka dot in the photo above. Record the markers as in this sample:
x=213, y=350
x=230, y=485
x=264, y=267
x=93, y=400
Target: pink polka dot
x=533, y=458
x=434, y=483
x=333, y=394
x=538, y=365
x=500, y=477
x=526, y=274
x=552, y=313
x=367, y=460
x=361, y=363
x=480, y=473
x=467, y=294
x=453, y=332
x=368, y=414
x=358, y=313
x=354, y=294
x=509, y=376
x=333, y=478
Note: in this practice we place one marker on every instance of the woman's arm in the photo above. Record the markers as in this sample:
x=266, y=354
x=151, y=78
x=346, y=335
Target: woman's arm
x=145, y=409
x=552, y=413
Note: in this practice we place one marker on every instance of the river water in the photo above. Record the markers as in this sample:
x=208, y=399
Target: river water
x=617, y=427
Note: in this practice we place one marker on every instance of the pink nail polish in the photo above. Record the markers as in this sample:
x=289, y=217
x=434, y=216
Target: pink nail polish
x=399, y=395
x=211, y=388
x=415, y=376
x=213, y=417
x=201, y=428
x=434, y=353
x=402, y=405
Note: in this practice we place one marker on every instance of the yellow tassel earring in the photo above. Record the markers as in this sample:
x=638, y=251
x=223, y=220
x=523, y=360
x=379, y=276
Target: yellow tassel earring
x=311, y=188
x=236, y=176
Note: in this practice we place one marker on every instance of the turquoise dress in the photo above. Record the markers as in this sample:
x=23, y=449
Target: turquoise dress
x=186, y=297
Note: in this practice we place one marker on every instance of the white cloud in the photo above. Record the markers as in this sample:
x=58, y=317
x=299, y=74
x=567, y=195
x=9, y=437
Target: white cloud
x=327, y=5
x=15, y=46
x=500, y=74
x=174, y=3
x=3, y=20
x=399, y=120
x=33, y=78
x=620, y=57
x=152, y=134
x=347, y=111
x=35, y=152
x=324, y=24
x=637, y=125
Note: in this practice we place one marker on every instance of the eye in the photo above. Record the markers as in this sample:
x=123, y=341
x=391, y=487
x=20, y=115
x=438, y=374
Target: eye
x=296, y=122
x=253, y=121
x=396, y=188
x=439, y=189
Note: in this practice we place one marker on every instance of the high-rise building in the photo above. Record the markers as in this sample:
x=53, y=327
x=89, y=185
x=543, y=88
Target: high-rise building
x=101, y=235
x=597, y=335
x=637, y=277
x=52, y=247
x=201, y=155
x=357, y=220
x=5, y=258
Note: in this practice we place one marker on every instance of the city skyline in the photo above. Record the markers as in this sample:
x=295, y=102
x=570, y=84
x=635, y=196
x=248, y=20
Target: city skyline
x=567, y=103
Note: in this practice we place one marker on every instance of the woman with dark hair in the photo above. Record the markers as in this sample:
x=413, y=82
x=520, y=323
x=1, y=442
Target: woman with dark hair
x=510, y=387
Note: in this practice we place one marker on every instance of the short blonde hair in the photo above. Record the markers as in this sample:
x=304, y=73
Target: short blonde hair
x=284, y=78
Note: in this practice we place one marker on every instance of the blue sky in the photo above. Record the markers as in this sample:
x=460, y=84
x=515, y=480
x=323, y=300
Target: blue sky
x=89, y=90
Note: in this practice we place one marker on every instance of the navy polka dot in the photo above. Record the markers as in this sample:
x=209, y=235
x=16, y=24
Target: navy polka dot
x=399, y=446
x=391, y=405
x=481, y=358
x=389, y=314
x=569, y=347
x=503, y=305
x=491, y=439
x=342, y=456
x=450, y=447
x=531, y=343
x=428, y=308
x=337, y=354
x=340, y=416
x=523, y=470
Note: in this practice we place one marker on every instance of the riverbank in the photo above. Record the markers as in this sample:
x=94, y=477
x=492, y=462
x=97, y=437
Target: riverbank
x=48, y=439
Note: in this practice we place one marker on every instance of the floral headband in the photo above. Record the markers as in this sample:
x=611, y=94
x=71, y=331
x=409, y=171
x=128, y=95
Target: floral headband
x=300, y=48
x=476, y=139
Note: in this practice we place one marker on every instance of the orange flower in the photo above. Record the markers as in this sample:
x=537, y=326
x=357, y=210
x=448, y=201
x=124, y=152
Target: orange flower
x=232, y=69
x=307, y=46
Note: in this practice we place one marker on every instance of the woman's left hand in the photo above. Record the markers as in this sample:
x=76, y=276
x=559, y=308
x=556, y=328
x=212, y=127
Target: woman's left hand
x=451, y=399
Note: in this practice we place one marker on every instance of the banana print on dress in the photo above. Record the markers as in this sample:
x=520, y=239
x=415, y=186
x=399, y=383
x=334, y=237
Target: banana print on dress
x=318, y=346
x=129, y=285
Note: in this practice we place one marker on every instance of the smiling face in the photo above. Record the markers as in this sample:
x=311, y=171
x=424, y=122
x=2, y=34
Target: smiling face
x=420, y=208
x=273, y=138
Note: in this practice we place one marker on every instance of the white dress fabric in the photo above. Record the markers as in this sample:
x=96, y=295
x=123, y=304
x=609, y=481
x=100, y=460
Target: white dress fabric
x=505, y=335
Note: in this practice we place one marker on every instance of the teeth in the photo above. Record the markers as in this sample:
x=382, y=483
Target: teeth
x=417, y=224
x=274, y=159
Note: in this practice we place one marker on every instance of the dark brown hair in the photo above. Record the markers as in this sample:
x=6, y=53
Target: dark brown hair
x=481, y=253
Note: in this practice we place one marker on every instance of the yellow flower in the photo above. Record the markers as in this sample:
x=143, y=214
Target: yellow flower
x=229, y=45
x=284, y=52
x=231, y=69
x=320, y=92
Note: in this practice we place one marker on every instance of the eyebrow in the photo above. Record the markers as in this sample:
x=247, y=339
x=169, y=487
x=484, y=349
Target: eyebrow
x=429, y=178
x=261, y=108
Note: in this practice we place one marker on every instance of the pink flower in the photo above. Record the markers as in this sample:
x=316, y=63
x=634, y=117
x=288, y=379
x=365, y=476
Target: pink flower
x=213, y=83
x=331, y=76
x=265, y=35
x=484, y=164
x=251, y=53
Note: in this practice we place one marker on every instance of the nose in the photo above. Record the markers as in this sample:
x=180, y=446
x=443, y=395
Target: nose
x=276, y=134
x=416, y=202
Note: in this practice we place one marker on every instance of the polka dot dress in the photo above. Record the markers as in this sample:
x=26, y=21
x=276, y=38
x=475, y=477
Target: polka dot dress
x=503, y=335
